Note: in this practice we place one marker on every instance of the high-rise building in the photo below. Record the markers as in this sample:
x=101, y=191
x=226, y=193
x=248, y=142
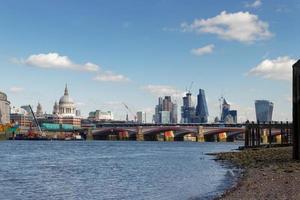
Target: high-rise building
x=188, y=111
x=264, y=110
x=165, y=104
x=141, y=117
x=201, y=109
x=165, y=117
x=225, y=109
x=228, y=116
x=233, y=114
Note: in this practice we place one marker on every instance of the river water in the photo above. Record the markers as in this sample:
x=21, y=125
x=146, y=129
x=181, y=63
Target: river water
x=112, y=170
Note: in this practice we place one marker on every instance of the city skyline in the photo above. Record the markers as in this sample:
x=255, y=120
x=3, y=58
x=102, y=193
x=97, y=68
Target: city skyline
x=113, y=53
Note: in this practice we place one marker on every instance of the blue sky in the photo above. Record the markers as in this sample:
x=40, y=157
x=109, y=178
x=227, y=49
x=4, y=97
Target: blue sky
x=133, y=51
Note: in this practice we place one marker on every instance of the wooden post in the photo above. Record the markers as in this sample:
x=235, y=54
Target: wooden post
x=296, y=110
x=270, y=134
x=253, y=135
x=247, y=135
x=282, y=133
x=258, y=134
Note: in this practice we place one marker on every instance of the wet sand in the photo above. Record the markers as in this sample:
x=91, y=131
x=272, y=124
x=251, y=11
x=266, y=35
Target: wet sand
x=268, y=173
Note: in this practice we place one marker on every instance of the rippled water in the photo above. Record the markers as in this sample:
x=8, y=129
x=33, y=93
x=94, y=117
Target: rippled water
x=111, y=170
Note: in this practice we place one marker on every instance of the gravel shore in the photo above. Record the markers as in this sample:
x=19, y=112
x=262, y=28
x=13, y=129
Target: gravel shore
x=268, y=173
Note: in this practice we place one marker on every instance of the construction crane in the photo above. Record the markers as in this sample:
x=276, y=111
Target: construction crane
x=190, y=88
x=36, y=122
x=130, y=111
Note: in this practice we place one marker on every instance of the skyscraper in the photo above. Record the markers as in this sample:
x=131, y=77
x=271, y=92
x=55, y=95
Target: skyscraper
x=188, y=111
x=201, y=109
x=165, y=104
x=228, y=116
x=264, y=110
x=225, y=109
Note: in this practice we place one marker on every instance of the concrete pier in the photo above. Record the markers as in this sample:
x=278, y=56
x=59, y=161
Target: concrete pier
x=139, y=135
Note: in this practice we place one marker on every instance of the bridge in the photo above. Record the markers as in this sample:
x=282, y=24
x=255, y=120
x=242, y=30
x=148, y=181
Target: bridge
x=168, y=132
x=263, y=133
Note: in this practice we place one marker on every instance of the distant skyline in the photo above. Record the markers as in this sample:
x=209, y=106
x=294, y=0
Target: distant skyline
x=133, y=51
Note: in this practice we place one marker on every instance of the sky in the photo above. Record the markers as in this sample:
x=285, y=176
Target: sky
x=112, y=52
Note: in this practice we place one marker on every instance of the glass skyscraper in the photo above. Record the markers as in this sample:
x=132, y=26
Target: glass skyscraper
x=201, y=109
x=264, y=110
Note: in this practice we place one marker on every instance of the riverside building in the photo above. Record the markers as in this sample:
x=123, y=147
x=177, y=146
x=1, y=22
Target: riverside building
x=4, y=109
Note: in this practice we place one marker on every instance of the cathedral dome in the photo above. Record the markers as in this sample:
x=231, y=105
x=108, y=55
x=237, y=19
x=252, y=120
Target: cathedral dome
x=66, y=107
x=66, y=99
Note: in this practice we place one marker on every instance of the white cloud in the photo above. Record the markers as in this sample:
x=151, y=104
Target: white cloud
x=162, y=90
x=16, y=89
x=255, y=4
x=108, y=76
x=276, y=69
x=56, y=61
x=240, y=26
x=91, y=67
x=203, y=50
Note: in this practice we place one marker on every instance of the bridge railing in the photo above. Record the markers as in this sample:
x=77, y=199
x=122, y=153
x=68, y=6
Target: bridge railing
x=257, y=134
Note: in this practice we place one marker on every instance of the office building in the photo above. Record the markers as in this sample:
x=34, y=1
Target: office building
x=165, y=104
x=228, y=116
x=188, y=111
x=264, y=110
x=141, y=117
x=99, y=115
x=201, y=109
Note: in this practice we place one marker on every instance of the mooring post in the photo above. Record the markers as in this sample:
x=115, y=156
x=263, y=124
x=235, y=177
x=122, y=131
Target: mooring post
x=247, y=134
x=296, y=110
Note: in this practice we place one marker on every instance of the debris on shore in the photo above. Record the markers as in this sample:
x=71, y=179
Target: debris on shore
x=269, y=173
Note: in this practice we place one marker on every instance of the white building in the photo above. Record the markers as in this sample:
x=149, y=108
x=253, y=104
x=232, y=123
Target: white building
x=141, y=117
x=99, y=115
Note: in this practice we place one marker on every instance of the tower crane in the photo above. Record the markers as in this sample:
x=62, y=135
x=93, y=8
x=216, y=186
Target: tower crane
x=130, y=111
x=190, y=88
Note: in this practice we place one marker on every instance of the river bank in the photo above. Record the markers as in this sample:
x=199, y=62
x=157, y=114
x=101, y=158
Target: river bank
x=268, y=173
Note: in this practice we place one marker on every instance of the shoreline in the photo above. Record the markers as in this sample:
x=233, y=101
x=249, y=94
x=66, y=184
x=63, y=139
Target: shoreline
x=266, y=173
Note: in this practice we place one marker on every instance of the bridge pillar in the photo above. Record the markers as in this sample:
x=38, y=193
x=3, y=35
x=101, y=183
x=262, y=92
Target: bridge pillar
x=123, y=135
x=89, y=135
x=139, y=134
x=264, y=137
x=222, y=137
x=200, y=134
x=278, y=139
x=169, y=136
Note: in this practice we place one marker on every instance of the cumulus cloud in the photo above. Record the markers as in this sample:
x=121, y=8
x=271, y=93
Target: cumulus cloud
x=108, y=76
x=255, y=4
x=240, y=26
x=16, y=89
x=56, y=61
x=277, y=69
x=203, y=50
